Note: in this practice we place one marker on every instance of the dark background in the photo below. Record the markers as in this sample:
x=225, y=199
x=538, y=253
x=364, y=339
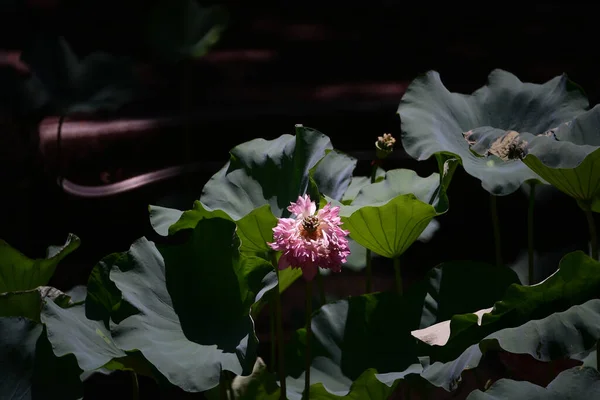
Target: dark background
x=339, y=67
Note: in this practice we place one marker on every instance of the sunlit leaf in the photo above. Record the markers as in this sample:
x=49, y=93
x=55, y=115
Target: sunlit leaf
x=18, y=272
x=388, y=216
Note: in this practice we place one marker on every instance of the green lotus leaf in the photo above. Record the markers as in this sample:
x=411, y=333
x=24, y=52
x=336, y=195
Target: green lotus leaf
x=576, y=281
x=333, y=174
x=449, y=289
x=261, y=385
x=190, y=218
x=434, y=120
x=255, y=229
x=182, y=29
x=266, y=172
x=357, y=183
x=375, y=330
x=356, y=261
x=273, y=172
x=161, y=218
x=561, y=335
x=574, y=383
x=174, y=287
x=286, y=278
x=588, y=358
x=66, y=330
x=258, y=184
x=388, y=216
x=103, y=301
x=71, y=332
x=27, y=303
x=29, y=369
x=20, y=273
x=568, y=156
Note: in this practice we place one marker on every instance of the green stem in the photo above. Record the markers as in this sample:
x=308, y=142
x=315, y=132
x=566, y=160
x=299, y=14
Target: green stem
x=592, y=227
x=369, y=272
x=398, y=275
x=530, y=247
x=320, y=282
x=496, y=226
x=226, y=392
x=223, y=395
x=135, y=386
x=308, y=340
x=369, y=269
x=273, y=334
x=279, y=333
x=374, y=171
x=594, y=241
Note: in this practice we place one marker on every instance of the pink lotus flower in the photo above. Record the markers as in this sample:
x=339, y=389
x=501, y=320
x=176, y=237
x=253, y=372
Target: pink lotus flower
x=310, y=241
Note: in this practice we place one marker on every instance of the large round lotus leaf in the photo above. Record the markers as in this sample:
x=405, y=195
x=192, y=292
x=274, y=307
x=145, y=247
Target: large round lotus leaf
x=333, y=174
x=388, y=216
x=575, y=383
x=71, y=332
x=562, y=335
x=374, y=331
x=273, y=172
x=357, y=183
x=448, y=289
x=576, y=281
x=194, y=298
x=254, y=230
x=567, y=156
x=434, y=120
x=29, y=370
x=570, y=159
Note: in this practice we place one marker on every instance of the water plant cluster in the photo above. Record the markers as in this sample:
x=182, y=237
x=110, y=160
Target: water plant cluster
x=182, y=310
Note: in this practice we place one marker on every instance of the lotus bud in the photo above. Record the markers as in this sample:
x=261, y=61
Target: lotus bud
x=384, y=145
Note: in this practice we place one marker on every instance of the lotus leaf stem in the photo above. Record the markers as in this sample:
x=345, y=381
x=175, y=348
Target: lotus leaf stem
x=496, y=226
x=135, y=386
x=306, y=393
x=279, y=333
x=594, y=244
x=398, y=275
x=369, y=272
x=272, y=319
x=369, y=269
x=530, y=261
x=226, y=391
x=592, y=227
